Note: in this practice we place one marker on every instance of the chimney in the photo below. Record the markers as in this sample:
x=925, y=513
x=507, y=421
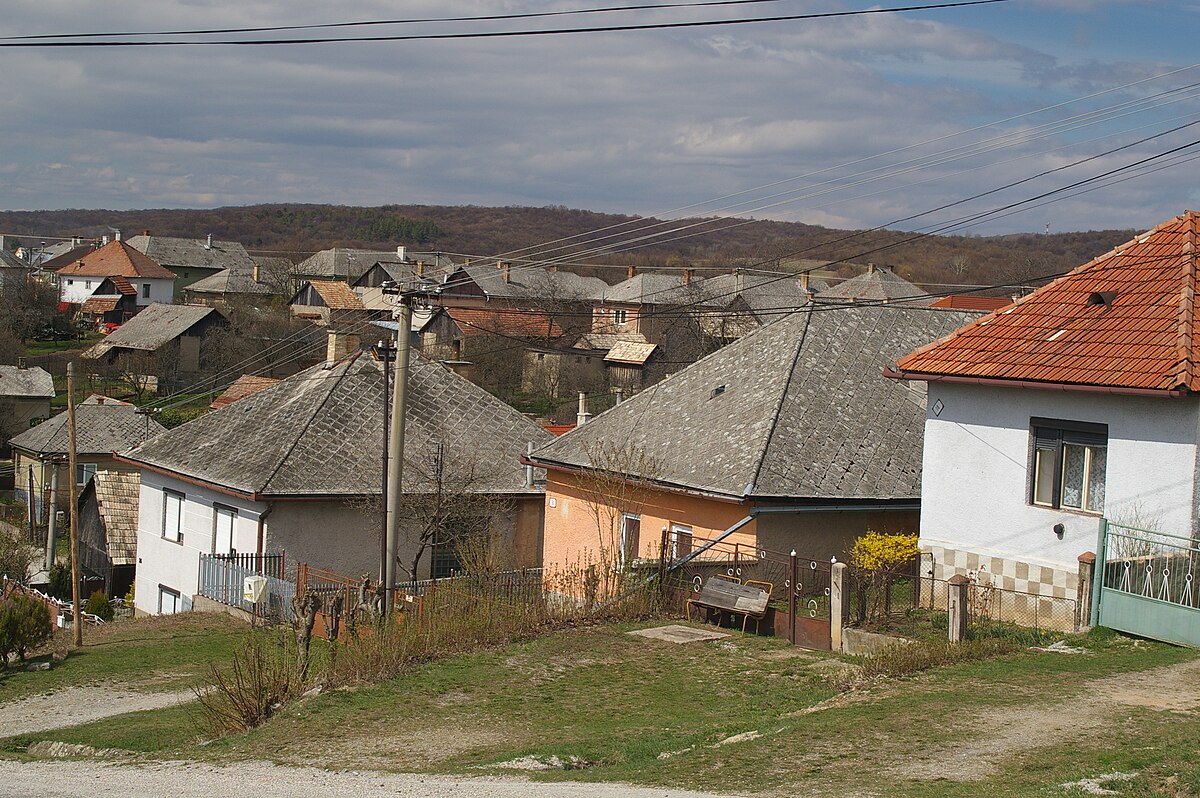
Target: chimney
x=529, y=467
x=146, y=233
x=340, y=344
x=504, y=266
x=257, y=273
x=116, y=235
x=804, y=282
x=208, y=243
x=21, y=363
x=631, y=272
x=620, y=392
x=100, y=400
x=687, y=276
x=870, y=268
x=739, y=281
x=401, y=253
x=420, y=267
x=104, y=240
x=583, y=415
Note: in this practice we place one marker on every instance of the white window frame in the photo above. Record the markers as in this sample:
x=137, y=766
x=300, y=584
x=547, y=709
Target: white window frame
x=172, y=531
x=626, y=555
x=84, y=473
x=174, y=601
x=221, y=511
x=676, y=531
x=620, y=316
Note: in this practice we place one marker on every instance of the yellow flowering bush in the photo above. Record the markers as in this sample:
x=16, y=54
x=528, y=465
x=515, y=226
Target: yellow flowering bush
x=876, y=552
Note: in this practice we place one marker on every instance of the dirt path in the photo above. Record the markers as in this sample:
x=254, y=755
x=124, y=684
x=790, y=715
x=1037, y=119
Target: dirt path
x=1010, y=731
x=263, y=780
x=72, y=706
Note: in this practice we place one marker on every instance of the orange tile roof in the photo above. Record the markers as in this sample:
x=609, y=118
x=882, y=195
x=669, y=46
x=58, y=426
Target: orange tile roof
x=1128, y=319
x=242, y=387
x=100, y=304
x=337, y=295
x=117, y=259
x=972, y=302
x=512, y=321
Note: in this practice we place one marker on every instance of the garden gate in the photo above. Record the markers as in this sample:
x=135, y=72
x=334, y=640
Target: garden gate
x=1146, y=584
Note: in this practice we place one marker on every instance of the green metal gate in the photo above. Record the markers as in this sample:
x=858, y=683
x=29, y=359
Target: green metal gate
x=1148, y=584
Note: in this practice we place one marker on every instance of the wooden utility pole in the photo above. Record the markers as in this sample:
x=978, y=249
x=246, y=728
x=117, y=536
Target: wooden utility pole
x=74, y=509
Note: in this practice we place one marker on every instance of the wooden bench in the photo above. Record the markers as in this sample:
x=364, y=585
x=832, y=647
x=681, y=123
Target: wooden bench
x=728, y=594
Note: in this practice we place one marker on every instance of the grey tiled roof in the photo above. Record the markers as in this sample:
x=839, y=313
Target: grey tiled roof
x=191, y=252
x=152, y=327
x=876, y=284
x=768, y=296
x=527, y=282
x=11, y=261
x=319, y=433
x=341, y=264
x=27, y=383
x=230, y=281
x=655, y=288
x=99, y=429
x=799, y=409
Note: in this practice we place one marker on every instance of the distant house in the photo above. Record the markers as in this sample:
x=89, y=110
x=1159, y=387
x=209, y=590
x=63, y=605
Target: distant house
x=296, y=468
x=81, y=278
x=25, y=394
x=174, y=331
x=343, y=265
x=1076, y=402
x=192, y=259
x=103, y=427
x=877, y=284
x=108, y=517
x=13, y=270
x=791, y=431
x=263, y=278
x=113, y=303
x=738, y=302
x=329, y=302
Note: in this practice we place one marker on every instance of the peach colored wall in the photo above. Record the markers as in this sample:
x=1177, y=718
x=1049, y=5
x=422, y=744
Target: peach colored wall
x=572, y=536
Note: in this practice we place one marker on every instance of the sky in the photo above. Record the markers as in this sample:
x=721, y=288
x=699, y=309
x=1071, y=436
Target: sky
x=894, y=119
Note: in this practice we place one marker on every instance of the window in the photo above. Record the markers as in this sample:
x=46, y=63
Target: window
x=172, y=516
x=169, y=601
x=1069, y=465
x=70, y=282
x=681, y=541
x=620, y=316
x=145, y=290
x=224, y=521
x=87, y=283
x=84, y=473
x=631, y=530
x=448, y=542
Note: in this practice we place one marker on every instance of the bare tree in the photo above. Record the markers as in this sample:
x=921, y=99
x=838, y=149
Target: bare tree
x=616, y=485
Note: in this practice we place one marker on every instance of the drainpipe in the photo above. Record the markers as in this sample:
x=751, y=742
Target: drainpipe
x=528, y=465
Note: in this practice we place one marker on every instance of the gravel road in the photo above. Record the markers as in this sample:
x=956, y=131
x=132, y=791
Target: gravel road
x=68, y=779
x=72, y=706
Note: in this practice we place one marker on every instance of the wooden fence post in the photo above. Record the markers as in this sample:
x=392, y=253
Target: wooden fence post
x=1083, y=590
x=957, y=586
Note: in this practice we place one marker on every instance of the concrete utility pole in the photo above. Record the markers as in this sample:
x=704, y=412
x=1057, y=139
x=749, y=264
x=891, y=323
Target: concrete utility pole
x=395, y=476
x=74, y=509
x=385, y=352
x=52, y=518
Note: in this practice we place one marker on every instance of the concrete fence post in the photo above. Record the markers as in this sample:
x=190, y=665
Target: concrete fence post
x=839, y=607
x=958, y=585
x=1083, y=590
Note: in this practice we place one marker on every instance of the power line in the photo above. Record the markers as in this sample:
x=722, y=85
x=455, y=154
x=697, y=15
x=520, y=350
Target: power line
x=503, y=34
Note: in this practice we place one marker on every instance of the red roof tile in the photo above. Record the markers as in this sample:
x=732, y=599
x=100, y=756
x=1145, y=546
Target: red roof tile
x=511, y=321
x=1128, y=319
x=117, y=259
x=971, y=302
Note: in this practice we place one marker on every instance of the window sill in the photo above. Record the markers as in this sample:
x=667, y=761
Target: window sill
x=169, y=540
x=1069, y=510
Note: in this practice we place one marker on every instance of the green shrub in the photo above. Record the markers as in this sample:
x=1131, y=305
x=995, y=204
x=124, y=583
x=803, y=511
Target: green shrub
x=905, y=659
x=24, y=625
x=97, y=604
x=60, y=581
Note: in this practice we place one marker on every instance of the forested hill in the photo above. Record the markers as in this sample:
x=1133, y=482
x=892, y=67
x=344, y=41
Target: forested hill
x=296, y=230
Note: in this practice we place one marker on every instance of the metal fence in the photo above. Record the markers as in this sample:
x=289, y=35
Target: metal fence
x=222, y=578
x=265, y=564
x=917, y=605
x=1152, y=565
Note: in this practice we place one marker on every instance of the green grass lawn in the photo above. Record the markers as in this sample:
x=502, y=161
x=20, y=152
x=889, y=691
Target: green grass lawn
x=624, y=708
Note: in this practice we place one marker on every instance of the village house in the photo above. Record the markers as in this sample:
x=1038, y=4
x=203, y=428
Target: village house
x=112, y=303
x=78, y=280
x=252, y=282
x=791, y=432
x=25, y=394
x=296, y=468
x=341, y=264
x=877, y=284
x=175, y=333
x=103, y=427
x=328, y=302
x=13, y=270
x=107, y=527
x=739, y=302
x=192, y=259
x=1076, y=402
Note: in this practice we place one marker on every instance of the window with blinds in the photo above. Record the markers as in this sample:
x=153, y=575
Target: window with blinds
x=1069, y=464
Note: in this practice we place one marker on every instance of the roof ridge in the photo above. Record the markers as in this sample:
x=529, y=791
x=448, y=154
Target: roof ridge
x=1187, y=306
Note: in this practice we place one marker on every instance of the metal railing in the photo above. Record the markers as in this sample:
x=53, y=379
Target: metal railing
x=1152, y=565
x=222, y=580
x=265, y=564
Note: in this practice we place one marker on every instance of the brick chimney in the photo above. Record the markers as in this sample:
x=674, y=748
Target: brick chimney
x=208, y=242
x=687, y=276
x=507, y=278
x=420, y=268
x=146, y=233
x=257, y=273
x=631, y=272
x=804, y=282
x=340, y=345
x=583, y=415
x=870, y=268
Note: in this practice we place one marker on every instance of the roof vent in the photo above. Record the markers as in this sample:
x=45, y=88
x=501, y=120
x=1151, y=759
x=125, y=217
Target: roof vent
x=720, y=389
x=1104, y=298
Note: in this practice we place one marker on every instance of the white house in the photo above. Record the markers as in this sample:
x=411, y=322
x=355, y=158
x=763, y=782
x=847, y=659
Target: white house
x=78, y=280
x=1078, y=402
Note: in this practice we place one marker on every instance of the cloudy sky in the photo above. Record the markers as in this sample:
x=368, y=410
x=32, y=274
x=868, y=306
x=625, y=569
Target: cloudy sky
x=850, y=122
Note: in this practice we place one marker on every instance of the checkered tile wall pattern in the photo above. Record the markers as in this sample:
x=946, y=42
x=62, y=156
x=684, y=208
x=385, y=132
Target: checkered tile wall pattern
x=1004, y=573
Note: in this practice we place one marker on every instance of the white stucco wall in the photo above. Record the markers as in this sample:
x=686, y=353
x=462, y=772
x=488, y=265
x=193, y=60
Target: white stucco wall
x=78, y=287
x=176, y=565
x=975, y=492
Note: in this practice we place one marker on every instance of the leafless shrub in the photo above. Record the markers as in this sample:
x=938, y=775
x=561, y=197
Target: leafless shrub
x=906, y=659
x=259, y=680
